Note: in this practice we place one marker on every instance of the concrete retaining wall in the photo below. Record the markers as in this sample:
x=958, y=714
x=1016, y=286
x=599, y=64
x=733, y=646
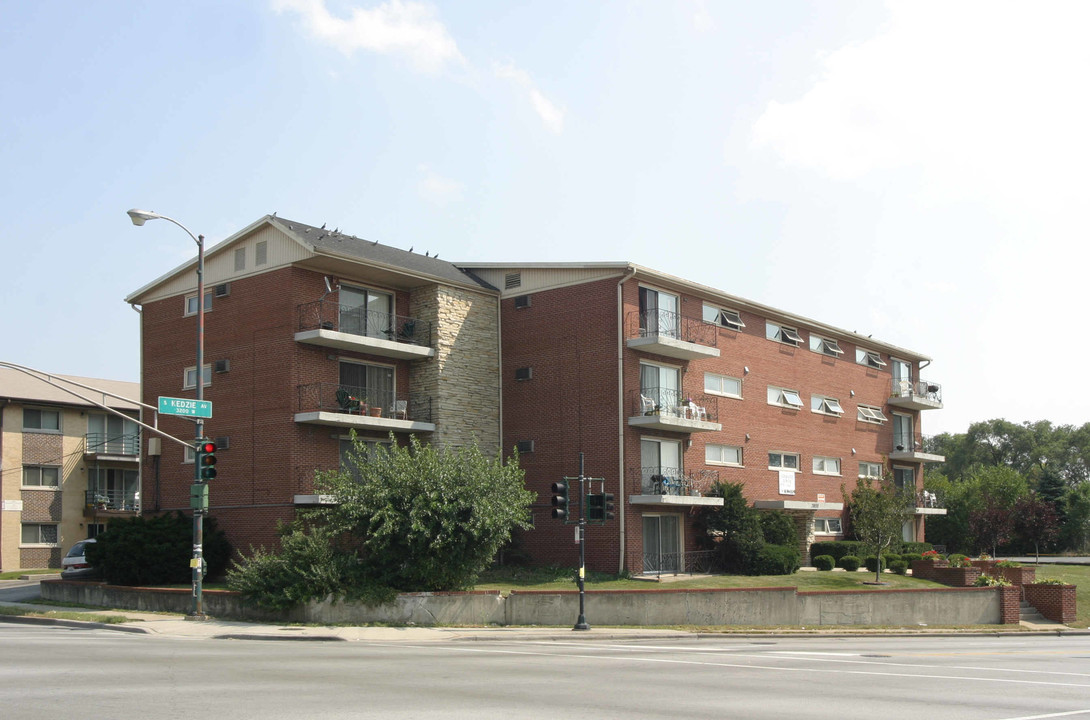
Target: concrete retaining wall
x=744, y=606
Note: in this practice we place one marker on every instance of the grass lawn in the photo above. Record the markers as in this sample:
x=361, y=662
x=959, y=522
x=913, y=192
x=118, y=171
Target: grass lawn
x=16, y=574
x=64, y=615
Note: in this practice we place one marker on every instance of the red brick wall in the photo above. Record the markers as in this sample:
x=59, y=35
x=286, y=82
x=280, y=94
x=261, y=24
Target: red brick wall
x=1010, y=599
x=1055, y=602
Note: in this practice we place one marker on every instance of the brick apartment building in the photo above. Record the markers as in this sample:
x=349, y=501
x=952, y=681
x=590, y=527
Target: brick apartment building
x=665, y=385
x=67, y=467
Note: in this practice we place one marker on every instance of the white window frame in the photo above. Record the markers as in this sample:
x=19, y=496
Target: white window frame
x=189, y=383
x=825, y=346
x=40, y=543
x=721, y=392
x=782, y=456
x=41, y=412
x=189, y=455
x=782, y=334
x=868, y=466
x=824, y=405
x=190, y=300
x=822, y=463
x=824, y=526
x=723, y=317
x=40, y=485
x=717, y=449
x=870, y=414
x=869, y=358
x=783, y=397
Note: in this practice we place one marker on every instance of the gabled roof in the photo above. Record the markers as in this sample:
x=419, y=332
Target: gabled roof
x=16, y=386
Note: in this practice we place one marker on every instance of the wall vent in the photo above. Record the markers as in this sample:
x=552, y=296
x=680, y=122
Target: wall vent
x=525, y=446
x=522, y=301
x=222, y=366
x=223, y=443
x=512, y=280
x=524, y=373
x=223, y=290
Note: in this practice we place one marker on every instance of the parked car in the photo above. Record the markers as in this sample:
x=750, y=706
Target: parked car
x=74, y=563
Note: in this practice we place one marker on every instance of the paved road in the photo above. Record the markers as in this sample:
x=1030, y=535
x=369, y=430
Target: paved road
x=19, y=590
x=65, y=672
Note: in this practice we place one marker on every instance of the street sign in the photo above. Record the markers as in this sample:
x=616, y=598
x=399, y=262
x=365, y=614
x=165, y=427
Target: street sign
x=182, y=406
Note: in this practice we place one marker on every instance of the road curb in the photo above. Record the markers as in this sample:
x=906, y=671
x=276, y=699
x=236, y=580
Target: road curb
x=22, y=620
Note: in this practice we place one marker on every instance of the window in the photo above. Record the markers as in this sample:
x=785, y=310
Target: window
x=189, y=380
x=39, y=534
x=871, y=414
x=371, y=384
x=784, y=398
x=825, y=405
x=780, y=333
x=366, y=312
x=722, y=385
x=827, y=526
x=191, y=303
x=261, y=252
x=723, y=455
x=661, y=385
x=826, y=465
x=240, y=259
x=659, y=314
x=112, y=434
x=904, y=435
x=783, y=461
x=41, y=419
x=870, y=470
x=905, y=478
x=724, y=318
x=41, y=476
x=660, y=466
x=869, y=358
x=825, y=346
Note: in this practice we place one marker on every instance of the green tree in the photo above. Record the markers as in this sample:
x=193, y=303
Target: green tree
x=734, y=529
x=878, y=509
x=156, y=550
x=1075, y=534
x=1036, y=521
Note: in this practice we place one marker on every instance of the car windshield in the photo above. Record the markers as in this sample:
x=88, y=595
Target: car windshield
x=76, y=550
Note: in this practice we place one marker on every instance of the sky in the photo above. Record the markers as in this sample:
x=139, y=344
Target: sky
x=915, y=171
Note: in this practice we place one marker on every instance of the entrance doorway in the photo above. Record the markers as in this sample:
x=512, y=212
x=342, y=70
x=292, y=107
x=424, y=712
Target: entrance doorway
x=661, y=544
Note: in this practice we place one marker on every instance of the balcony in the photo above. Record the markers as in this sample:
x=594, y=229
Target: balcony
x=907, y=447
x=113, y=448
x=116, y=503
x=668, y=409
x=672, y=486
x=336, y=405
x=333, y=325
x=670, y=334
x=919, y=395
x=927, y=502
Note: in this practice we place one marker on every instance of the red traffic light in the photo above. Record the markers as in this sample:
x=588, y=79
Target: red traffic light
x=206, y=446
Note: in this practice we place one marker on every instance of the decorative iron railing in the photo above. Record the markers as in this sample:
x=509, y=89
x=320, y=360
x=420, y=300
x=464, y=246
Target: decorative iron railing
x=329, y=315
x=354, y=400
x=669, y=324
x=657, y=480
x=670, y=402
x=116, y=500
x=104, y=444
x=679, y=563
x=919, y=388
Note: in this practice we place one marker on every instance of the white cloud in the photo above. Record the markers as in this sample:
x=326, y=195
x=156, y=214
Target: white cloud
x=408, y=29
x=984, y=98
x=437, y=189
x=702, y=17
x=551, y=115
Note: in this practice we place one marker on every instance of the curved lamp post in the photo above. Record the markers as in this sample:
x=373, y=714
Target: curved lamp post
x=139, y=217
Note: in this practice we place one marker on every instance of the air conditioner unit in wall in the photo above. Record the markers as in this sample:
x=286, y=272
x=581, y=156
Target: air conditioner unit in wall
x=222, y=366
x=223, y=290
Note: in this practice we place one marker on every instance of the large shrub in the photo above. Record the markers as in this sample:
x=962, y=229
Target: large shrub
x=156, y=550
x=837, y=548
x=734, y=529
x=850, y=563
x=777, y=560
x=778, y=528
x=824, y=562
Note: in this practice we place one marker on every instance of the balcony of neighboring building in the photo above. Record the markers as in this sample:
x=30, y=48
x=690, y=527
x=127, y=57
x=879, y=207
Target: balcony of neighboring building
x=907, y=447
x=915, y=395
x=362, y=408
x=664, y=332
x=669, y=409
x=111, y=502
x=657, y=485
x=345, y=327
x=106, y=447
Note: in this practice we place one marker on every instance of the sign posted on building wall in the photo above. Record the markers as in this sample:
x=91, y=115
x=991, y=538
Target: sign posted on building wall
x=183, y=406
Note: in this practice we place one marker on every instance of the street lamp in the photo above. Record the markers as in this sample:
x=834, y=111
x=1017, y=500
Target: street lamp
x=139, y=217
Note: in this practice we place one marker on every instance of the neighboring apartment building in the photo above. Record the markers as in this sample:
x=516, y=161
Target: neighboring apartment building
x=68, y=467
x=665, y=386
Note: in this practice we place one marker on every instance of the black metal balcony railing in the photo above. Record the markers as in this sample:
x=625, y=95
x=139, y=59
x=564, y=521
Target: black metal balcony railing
x=116, y=500
x=907, y=442
x=919, y=388
x=353, y=400
x=103, y=444
x=674, y=403
x=329, y=315
x=679, y=563
x=664, y=323
x=672, y=481
x=925, y=498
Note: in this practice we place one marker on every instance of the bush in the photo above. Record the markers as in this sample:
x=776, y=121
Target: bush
x=1007, y=564
x=911, y=557
x=837, y=548
x=916, y=547
x=778, y=528
x=959, y=561
x=871, y=563
x=991, y=581
x=824, y=562
x=777, y=560
x=737, y=527
x=899, y=566
x=850, y=563
x=889, y=558
x=156, y=550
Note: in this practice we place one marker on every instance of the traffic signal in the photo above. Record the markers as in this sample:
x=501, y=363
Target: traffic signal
x=594, y=508
x=607, y=506
x=206, y=460
x=560, y=500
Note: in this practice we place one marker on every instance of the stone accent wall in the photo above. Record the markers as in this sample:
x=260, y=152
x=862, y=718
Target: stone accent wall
x=463, y=379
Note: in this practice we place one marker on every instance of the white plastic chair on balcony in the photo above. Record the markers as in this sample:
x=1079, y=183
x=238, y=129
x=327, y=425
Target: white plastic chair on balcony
x=696, y=412
x=400, y=410
x=647, y=405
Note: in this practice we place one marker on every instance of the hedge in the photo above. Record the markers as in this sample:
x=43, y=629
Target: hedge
x=837, y=548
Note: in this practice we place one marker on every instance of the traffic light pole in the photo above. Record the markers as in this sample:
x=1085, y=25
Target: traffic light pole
x=581, y=623
x=197, y=562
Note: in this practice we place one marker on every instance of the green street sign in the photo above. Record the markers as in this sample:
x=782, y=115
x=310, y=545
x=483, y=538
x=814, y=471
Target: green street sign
x=182, y=406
